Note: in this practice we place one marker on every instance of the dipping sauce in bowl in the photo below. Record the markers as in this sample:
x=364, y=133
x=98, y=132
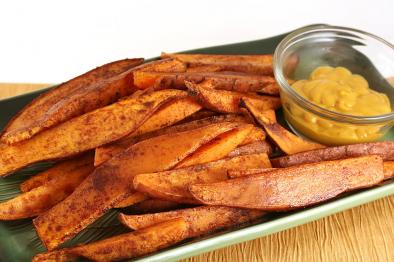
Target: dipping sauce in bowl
x=337, y=89
x=333, y=84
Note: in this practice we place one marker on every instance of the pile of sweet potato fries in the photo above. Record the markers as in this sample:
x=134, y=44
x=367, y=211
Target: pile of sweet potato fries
x=193, y=135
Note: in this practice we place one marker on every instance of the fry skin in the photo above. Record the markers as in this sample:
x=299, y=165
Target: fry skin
x=173, y=185
x=247, y=172
x=124, y=246
x=94, y=89
x=384, y=149
x=202, y=220
x=231, y=81
x=255, y=64
x=252, y=148
x=224, y=101
x=105, y=152
x=293, y=187
x=287, y=142
x=112, y=182
x=144, y=81
x=85, y=132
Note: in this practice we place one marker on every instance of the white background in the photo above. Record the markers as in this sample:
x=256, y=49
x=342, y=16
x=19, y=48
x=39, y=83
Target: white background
x=52, y=41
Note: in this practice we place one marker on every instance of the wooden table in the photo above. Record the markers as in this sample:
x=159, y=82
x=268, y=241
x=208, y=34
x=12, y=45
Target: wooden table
x=364, y=233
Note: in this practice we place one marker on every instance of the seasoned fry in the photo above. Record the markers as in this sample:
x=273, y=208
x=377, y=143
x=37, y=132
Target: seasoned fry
x=204, y=68
x=165, y=116
x=168, y=115
x=269, y=89
x=247, y=172
x=58, y=170
x=231, y=81
x=154, y=206
x=224, y=101
x=111, y=182
x=85, y=132
x=96, y=88
x=252, y=148
x=256, y=64
x=168, y=65
x=124, y=246
x=203, y=113
x=288, y=142
x=388, y=168
x=384, y=149
x=144, y=81
x=293, y=187
x=201, y=220
x=173, y=185
x=46, y=195
x=132, y=199
x=106, y=152
x=217, y=148
x=256, y=134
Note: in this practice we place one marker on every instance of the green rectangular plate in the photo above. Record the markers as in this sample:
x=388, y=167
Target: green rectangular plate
x=19, y=242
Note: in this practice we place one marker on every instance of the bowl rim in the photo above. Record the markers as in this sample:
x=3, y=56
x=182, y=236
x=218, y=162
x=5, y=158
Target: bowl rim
x=305, y=103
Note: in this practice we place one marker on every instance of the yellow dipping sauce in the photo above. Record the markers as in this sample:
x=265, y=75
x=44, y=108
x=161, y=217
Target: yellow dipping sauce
x=337, y=89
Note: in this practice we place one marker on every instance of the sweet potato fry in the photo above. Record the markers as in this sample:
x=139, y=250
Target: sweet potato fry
x=132, y=199
x=247, y=172
x=168, y=65
x=269, y=89
x=112, y=182
x=105, y=152
x=204, y=68
x=173, y=185
x=388, y=168
x=144, y=81
x=252, y=148
x=203, y=113
x=124, y=246
x=165, y=116
x=96, y=88
x=201, y=220
x=217, y=148
x=224, y=101
x=256, y=64
x=46, y=195
x=288, y=142
x=293, y=187
x=85, y=132
x=384, y=149
x=255, y=135
x=154, y=206
x=231, y=81
x=58, y=170
x=168, y=115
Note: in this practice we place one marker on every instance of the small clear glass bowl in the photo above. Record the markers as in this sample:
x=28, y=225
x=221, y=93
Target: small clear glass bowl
x=362, y=53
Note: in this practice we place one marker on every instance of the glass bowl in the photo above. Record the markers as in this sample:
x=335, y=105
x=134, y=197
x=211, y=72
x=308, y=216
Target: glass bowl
x=362, y=53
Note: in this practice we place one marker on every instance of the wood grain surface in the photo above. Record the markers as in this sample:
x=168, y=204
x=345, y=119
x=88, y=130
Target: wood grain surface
x=364, y=233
